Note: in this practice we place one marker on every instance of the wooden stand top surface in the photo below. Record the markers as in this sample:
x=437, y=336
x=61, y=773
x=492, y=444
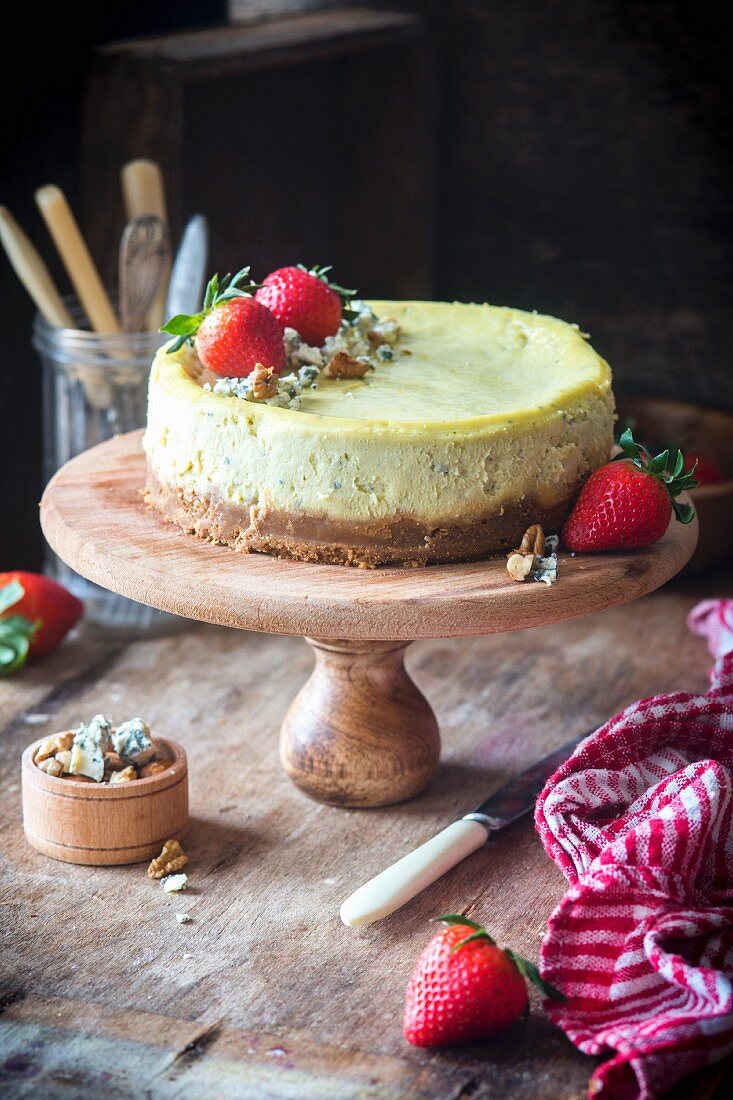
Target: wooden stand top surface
x=94, y=516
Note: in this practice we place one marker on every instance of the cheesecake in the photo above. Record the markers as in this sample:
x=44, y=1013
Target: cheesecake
x=424, y=432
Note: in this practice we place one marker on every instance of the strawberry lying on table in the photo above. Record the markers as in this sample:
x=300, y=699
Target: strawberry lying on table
x=35, y=614
x=629, y=502
x=465, y=988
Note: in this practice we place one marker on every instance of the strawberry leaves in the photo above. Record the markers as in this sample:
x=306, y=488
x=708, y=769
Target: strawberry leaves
x=668, y=467
x=344, y=293
x=527, y=969
x=530, y=972
x=185, y=326
x=16, y=631
x=479, y=932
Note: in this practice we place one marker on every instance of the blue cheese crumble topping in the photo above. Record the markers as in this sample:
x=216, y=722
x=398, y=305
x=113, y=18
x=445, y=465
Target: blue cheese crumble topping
x=366, y=338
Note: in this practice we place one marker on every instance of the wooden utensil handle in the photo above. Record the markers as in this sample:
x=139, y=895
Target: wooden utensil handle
x=413, y=873
x=32, y=272
x=360, y=733
x=77, y=259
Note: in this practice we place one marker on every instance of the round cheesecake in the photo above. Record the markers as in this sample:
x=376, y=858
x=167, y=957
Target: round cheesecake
x=482, y=421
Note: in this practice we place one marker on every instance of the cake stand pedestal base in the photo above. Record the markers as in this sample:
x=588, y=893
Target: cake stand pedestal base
x=360, y=733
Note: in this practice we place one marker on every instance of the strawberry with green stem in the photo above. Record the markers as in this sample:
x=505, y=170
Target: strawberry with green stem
x=234, y=332
x=35, y=614
x=464, y=987
x=305, y=299
x=629, y=502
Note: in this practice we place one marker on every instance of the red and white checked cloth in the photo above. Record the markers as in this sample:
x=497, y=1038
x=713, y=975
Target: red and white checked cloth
x=640, y=821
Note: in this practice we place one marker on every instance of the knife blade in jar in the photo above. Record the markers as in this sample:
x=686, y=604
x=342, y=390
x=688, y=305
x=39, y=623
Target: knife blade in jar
x=186, y=286
x=414, y=872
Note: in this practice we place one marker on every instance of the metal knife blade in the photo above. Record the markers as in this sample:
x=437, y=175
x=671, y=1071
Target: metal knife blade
x=518, y=796
x=414, y=872
x=186, y=285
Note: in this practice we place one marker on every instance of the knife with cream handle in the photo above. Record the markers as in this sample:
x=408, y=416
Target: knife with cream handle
x=143, y=192
x=414, y=872
x=32, y=272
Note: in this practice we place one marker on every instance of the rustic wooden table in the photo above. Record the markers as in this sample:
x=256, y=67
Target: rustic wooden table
x=265, y=994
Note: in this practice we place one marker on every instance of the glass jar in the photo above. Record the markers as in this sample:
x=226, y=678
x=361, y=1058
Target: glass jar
x=94, y=387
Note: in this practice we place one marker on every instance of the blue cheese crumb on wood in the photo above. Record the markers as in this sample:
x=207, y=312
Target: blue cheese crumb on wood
x=173, y=884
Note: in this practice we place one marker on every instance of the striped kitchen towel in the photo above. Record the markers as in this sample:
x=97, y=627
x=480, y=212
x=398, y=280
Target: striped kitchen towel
x=640, y=821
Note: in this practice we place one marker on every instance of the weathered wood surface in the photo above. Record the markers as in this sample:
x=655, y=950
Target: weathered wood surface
x=265, y=994
x=94, y=517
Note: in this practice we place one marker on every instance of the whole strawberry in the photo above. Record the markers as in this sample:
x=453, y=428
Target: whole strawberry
x=465, y=988
x=629, y=502
x=35, y=614
x=233, y=332
x=306, y=301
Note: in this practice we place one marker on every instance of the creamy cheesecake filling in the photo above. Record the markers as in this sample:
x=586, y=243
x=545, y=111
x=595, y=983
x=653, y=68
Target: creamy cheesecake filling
x=486, y=420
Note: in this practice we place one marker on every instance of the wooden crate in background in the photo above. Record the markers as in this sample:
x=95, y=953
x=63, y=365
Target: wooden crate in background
x=307, y=139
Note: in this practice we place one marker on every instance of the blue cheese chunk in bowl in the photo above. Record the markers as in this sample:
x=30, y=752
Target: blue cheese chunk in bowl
x=102, y=794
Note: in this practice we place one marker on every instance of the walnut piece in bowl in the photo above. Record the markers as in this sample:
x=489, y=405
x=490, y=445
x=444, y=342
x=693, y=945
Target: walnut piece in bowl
x=104, y=795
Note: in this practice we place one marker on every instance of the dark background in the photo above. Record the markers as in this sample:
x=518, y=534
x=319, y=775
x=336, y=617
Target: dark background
x=574, y=157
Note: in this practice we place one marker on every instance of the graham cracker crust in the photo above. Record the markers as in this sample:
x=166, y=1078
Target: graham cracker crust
x=399, y=541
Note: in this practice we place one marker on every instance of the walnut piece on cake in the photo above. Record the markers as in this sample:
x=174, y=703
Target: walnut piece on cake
x=264, y=383
x=343, y=365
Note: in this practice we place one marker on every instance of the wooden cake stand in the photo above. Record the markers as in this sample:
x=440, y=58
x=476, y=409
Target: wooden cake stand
x=359, y=733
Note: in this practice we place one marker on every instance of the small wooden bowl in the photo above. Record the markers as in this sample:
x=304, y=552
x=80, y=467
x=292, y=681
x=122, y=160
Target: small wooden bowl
x=100, y=824
x=660, y=421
